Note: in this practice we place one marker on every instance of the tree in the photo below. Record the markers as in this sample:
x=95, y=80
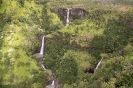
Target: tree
x=67, y=72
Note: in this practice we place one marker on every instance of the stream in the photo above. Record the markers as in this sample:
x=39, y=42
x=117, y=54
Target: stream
x=42, y=65
x=52, y=85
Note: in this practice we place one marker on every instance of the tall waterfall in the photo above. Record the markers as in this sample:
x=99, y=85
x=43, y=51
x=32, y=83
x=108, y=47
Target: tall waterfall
x=42, y=65
x=42, y=47
x=99, y=63
x=67, y=19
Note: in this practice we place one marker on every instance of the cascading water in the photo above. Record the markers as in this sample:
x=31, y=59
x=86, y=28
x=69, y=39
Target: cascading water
x=67, y=19
x=42, y=51
x=42, y=65
x=99, y=63
x=42, y=47
x=52, y=82
x=52, y=85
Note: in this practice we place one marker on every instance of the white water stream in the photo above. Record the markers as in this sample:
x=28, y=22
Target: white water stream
x=42, y=47
x=99, y=63
x=67, y=19
x=42, y=65
x=52, y=82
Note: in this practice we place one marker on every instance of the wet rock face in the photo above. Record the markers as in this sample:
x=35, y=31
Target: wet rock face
x=57, y=82
x=78, y=12
x=74, y=13
x=61, y=11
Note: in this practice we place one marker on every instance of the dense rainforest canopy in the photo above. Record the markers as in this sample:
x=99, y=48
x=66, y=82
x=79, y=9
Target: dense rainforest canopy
x=71, y=52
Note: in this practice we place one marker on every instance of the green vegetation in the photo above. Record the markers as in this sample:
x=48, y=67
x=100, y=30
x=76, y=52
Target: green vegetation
x=67, y=72
x=106, y=32
x=18, y=32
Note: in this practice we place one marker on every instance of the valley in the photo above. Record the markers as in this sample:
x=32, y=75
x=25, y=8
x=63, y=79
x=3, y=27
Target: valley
x=66, y=44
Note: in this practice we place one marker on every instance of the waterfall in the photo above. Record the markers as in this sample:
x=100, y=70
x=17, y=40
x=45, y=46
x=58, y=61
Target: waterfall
x=42, y=47
x=42, y=51
x=98, y=64
x=52, y=85
x=67, y=19
x=52, y=82
x=42, y=65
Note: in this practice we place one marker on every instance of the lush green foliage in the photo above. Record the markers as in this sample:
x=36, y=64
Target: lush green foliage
x=106, y=32
x=18, y=33
x=67, y=72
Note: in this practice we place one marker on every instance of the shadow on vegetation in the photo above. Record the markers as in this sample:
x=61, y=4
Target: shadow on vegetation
x=117, y=35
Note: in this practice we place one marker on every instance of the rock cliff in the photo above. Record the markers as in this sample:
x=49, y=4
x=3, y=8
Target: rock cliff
x=75, y=13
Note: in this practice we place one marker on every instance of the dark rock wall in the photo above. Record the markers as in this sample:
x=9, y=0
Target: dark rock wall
x=78, y=12
x=75, y=13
